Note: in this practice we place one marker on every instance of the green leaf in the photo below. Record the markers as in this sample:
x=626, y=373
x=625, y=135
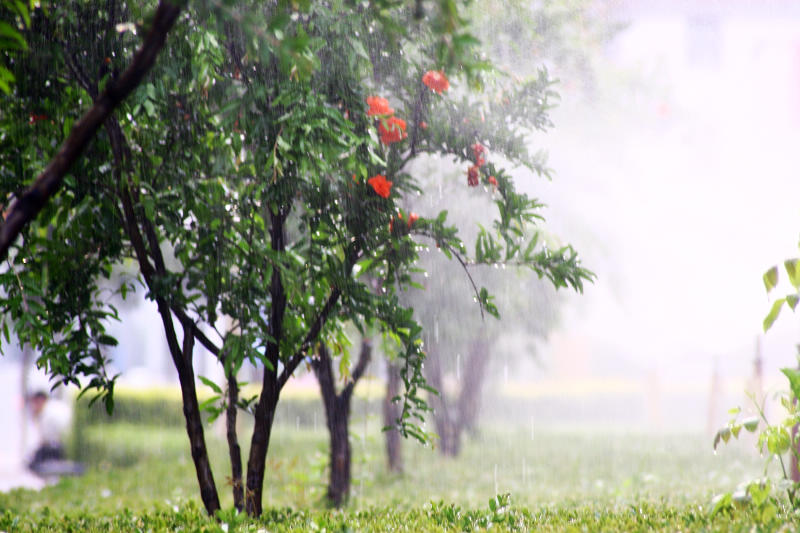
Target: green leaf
x=107, y=340
x=750, y=424
x=359, y=49
x=770, y=278
x=773, y=313
x=793, y=375
x=791, y=300
x=793, y=269
x=211, y=384
x=10, y=38
x=778, y=440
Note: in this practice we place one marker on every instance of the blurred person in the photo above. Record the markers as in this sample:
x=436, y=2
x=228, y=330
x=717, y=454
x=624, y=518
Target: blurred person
x=51, y=419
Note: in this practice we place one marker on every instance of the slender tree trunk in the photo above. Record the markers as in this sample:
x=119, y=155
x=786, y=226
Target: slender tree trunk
x=181, y=357
x=443, y=414
x=391, y=412
x=452, y=418
x=337, y=414
x=270, y=388
x=259, y=444
x=234, y=450
x=194, y=424
x=469, y=398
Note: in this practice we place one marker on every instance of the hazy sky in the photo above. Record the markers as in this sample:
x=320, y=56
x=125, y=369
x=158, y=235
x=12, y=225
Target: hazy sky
x=680, y=185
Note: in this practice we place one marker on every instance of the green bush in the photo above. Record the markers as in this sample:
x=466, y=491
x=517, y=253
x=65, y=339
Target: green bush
x=152, y=407
x=162, y=407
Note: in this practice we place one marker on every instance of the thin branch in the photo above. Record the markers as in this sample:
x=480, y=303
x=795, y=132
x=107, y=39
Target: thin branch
x=465, y=266
x=352, y=256
x=361, y=366
x=311, y=336
x=31, y=202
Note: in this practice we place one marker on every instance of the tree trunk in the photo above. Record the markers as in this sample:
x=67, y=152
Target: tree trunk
x=337, y=415
x=194, y=426
x=259, y=444
x=443, y=415
x=234, y=450
x=270, y=388
x=391, y=412
x=453, y=418
x=181, y=357
x=469, y=398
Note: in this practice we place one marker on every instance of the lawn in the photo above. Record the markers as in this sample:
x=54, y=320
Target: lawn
x=140, y=477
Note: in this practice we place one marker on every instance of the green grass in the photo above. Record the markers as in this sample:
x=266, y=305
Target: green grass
x=141, y=477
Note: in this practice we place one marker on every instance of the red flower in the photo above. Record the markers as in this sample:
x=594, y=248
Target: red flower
x=33, y=119
x=472, y=176
x=378, y=106
x=480, y=161
x=478, y=150
x=381, y=185
x=412, y=217
x=392, y=130
x=493, y=180
x=436, y=81
x=423, y=125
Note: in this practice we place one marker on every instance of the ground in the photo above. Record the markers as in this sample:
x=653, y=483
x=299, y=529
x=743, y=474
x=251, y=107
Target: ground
x=141, y=477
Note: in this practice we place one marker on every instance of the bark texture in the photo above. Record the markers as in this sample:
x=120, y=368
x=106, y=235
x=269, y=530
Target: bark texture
x=452, y=417
x=337, y=415
x=234, y=450
x=270, y=387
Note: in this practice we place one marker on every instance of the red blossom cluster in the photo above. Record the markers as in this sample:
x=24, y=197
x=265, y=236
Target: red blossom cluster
x=381, y=185
x=378, y=107
x=436, y=81
x=474, y=172
x=391, y=128
x=472, y=175
x=479, y=150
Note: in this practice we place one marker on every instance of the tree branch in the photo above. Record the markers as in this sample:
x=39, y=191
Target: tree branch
x=31, y=202
x=311, y=336
x=353, y=252
x=361, y=366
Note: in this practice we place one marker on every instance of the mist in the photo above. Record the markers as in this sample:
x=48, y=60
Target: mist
x=676, y=178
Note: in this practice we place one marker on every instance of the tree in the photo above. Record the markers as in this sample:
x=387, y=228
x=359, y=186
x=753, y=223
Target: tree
x=337, y=416
x=253, y=187
x=461, y=347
